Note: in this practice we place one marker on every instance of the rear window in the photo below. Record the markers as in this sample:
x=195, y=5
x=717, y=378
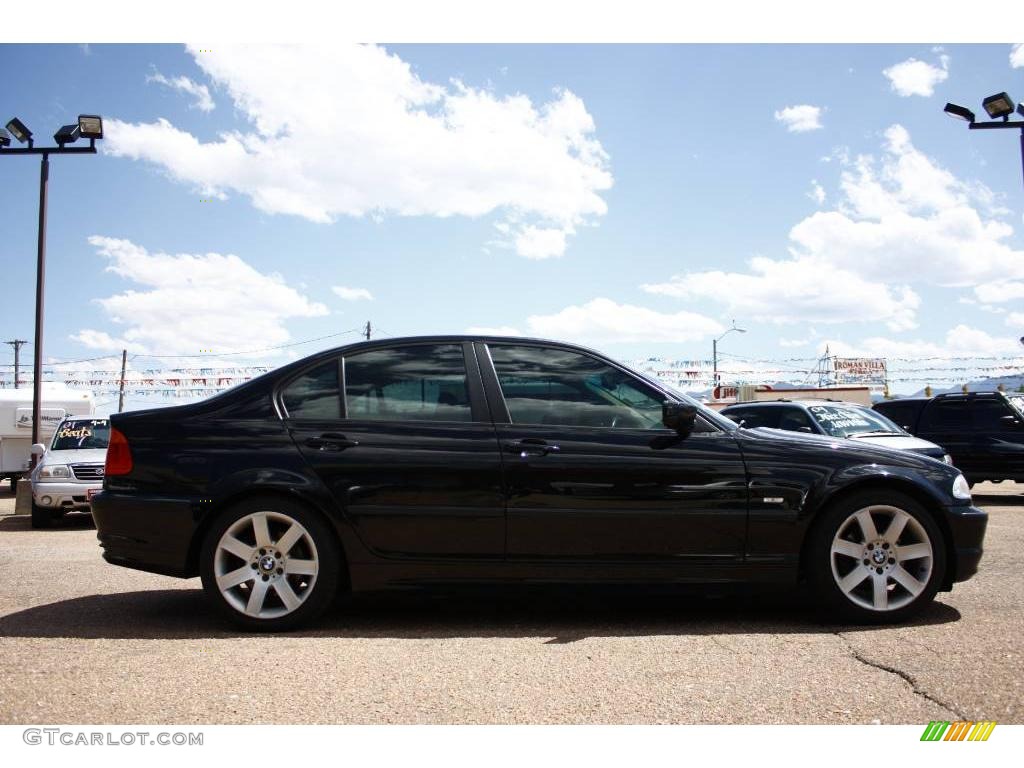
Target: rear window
x=81, y=434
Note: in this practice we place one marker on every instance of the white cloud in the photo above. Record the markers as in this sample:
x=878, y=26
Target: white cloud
x=603, y=321
x=904, y=218
x=917, y=78
x=368, y=137
x=817, y=193
x=190, y=302
x=1017, y=55
x=352, y=294
x=800, y=118
x=961, y=341
x=797, y=291
x=897, y=222
x=538, y=243
x=182, y=84
x=999, y=291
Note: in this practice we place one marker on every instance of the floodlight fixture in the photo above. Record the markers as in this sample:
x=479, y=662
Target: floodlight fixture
x=90, y=126
x=998, y=105
x=960, y=113
x=19, y=130
x=5, y=138
x=66, y=135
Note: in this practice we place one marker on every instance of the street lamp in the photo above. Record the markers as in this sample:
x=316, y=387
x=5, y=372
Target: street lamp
x=714, y=350
x=999, y=107
x=89, y=127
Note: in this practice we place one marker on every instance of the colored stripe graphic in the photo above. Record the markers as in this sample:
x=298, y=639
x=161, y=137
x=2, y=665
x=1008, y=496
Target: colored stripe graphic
x=982, y=731
x=934, y=730
x=959, y=730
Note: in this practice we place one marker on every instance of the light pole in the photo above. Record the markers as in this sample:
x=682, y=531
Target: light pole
x=999, y=107
x=714, y=350
x=88, y=127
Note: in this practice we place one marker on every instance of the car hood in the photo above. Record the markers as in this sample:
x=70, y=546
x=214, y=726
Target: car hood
x=85, y=456
x=858, y=451
x=900, y=442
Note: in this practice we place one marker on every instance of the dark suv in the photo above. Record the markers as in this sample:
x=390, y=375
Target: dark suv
x=454, y=460
x=982, y=431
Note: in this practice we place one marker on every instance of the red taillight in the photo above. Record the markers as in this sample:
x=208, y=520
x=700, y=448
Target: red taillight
x=119, y=456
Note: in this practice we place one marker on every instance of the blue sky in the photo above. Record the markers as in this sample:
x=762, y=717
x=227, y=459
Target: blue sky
x=635, y=198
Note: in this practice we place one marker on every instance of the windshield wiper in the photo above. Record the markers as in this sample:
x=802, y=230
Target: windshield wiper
x=875, y=432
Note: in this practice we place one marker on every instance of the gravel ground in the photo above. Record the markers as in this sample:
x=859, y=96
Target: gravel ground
x=86, y=642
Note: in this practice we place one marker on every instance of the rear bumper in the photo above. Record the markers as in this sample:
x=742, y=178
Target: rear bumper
x=967, y=524
x=148, y=533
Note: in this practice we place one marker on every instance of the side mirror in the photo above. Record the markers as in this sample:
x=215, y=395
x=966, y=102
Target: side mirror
x=38, y=449
x=805, y=430
x=1010, y=421
x=678, y=416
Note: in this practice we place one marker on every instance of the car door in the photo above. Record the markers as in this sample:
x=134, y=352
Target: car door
x=401, y=437
x=997, y=438
x=591, y=474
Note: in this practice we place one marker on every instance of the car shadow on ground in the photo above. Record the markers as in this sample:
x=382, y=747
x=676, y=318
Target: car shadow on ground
x=72, y=521
x=557, y=617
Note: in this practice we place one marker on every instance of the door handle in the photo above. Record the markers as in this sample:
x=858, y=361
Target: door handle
x=530, y=446
x=331, y=441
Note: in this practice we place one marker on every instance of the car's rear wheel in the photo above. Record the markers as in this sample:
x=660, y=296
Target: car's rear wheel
x=270, y=564
x=877, y=557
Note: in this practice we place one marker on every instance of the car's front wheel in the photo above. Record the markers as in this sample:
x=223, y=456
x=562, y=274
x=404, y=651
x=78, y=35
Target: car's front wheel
x=877, y=557
x=270, y=565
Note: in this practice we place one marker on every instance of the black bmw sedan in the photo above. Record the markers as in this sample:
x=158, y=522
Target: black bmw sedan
x=454, y=460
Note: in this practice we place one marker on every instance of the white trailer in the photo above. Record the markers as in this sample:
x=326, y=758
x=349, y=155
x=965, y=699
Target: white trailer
x=16, y=421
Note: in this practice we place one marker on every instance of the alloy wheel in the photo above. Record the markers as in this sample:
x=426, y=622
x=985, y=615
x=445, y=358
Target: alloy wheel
x=881, y=558
x=266, y=565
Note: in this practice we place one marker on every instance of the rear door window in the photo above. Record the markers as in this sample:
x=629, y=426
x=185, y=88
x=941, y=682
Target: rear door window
x=421, y=382
x=314, y=394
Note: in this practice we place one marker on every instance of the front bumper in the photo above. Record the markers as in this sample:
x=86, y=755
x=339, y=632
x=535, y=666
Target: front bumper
x=967, y=526
x=63, y=494
x=148, y=533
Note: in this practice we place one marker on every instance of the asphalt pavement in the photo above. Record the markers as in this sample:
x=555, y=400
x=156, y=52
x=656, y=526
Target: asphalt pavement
x=82, y=641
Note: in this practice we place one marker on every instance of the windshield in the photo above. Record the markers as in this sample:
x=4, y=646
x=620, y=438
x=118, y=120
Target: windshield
x=1017, y=401
x=79, y=434
x=850, y=420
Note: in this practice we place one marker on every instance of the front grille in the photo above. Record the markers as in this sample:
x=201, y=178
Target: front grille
x=87, y=471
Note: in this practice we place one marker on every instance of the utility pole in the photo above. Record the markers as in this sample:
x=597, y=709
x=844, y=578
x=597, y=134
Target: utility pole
x=16, y=343
x=120, y=396
x=366, y=331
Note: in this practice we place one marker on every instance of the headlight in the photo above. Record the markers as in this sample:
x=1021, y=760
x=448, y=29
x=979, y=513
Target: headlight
x=53, y=471
x=948, y=459
x=961, y=490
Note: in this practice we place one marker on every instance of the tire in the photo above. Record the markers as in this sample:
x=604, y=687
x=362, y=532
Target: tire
x=866, y=576
x=41, y=516
x=259, y=584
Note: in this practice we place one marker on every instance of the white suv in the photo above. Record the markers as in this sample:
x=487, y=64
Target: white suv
x=70, y=471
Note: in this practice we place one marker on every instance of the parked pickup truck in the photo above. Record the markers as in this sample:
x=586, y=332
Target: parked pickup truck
x=982, y=431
